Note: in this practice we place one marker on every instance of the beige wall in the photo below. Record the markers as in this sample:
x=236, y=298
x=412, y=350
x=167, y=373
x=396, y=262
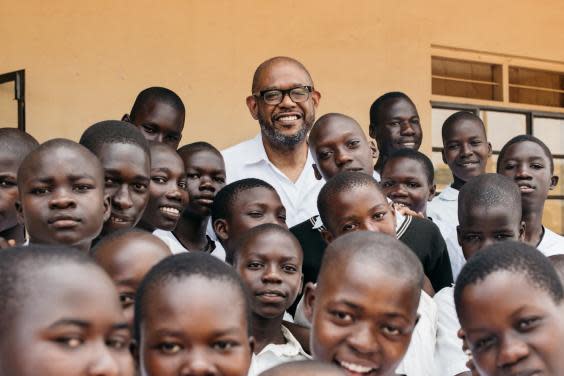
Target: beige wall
x=86, y=61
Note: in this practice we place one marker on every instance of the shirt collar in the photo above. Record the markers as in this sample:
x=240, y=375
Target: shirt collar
x=291, y=348
x=256, y=151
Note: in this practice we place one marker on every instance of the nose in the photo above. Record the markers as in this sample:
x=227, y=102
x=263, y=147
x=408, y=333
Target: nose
x=522, y=171
x=104, y=364
x=198, y=363
x=206, y=183
x=397, y=191
x=407, y=129
x=62, y=199
x=487, y=242
x=287, y=101
x=174, y=193
x=342, y=157
x=465, y=149
x=512, y=350
x=363, y=340
x=271, y=274
x=122, y=197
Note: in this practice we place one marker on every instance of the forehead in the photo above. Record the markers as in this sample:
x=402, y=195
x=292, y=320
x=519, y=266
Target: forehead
x=9, y=161
x=282, y=74
x=490, y=218
x=402, y=166
x=499, y=296
x=196, y=302
x=69, y=290
x=465, y=128
x=336, y=129
x=165, y=157
x=397, y=107
x=63, y=161
x=131, y=254
x=158, y=111
x=271, y=244
x=371, y=196
x=114, y=155
x=525, y=150
x=203, y=159
x=258, y=196
x=382, y=293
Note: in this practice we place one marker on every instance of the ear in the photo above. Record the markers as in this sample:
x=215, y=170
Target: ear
x=432, y=192
x=125, y=117
x=252, y=104
x=315, y=97
x=522, y=228
x=372, y=133
x=553, y=182
x=300, y=290
x=107, y=208
x=462, y=335
x=252, y=344
x=221, y=229
x=489, y=149
x=326, y=236
x=373, y=148
x=19, y=211
x=316, y=172
x=309, y=300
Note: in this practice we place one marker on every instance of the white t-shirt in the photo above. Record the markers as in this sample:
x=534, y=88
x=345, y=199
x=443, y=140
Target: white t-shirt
x=450, y=360
x=551, y=243
x=273, y=355
x=443, y=210
x=249, y=160
x=419, y=358
x=177, y=247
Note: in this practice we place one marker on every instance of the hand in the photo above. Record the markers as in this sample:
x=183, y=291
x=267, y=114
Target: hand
x=404, y=210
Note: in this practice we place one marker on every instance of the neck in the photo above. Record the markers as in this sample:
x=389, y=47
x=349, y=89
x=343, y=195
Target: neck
x=191, y=231
x=290, y=161
x=145, y=226
x=16, y=233
x=533, y=225
x=457, y=183
x=266, y=331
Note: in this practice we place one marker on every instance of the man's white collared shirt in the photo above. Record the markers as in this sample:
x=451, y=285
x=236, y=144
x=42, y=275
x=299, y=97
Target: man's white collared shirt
x=249, y=160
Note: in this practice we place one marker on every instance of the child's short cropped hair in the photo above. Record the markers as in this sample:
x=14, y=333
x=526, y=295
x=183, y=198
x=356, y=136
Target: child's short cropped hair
x=515, y=257
x=417, y=156
x=16, y=142
x=156, y=93
x=524, y=138
x=112, y=132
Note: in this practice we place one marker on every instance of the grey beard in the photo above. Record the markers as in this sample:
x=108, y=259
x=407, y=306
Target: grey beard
x=283, y=141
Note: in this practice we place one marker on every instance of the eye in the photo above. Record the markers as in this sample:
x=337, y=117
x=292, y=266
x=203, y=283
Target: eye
x=172, y=137
x=415, y=121
x=118, y=343
x=193, y=176
x=5, y=183
x=483, y=344
x=342, y=317
x=537, y=166
x=255, y=214
x=391, y=330
x=159, y=179
x=182, y=184
x=70, y=341
x=501, y=237
x=140, y=187
x=324, y=155
x=347, y=227
x=413, y=185
x=394, y=123
x=387, y=184
x=379, y=216
x=126, y=300
x=452, y=146
x=254, y=265
x=39, y=191
x=475, y=142
x=352, y=144
x=290, y=269
x=83, y=187
x=219, y=179
x=528, y=323
x=109, y=181
x=509, y=166
x=169, y=348
x=282, y=217
x=471, y=238
x=224, y=345
x=148, y=129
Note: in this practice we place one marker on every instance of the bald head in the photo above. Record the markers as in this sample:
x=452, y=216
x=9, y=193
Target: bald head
x=305, y=368
x=275, y=61
x=381, y=251
x=48, y=150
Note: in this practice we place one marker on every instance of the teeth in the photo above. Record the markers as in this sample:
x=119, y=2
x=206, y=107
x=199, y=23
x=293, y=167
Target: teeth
x=288, y=118
x=117, y=220
x=355, y=367
x=169, y=210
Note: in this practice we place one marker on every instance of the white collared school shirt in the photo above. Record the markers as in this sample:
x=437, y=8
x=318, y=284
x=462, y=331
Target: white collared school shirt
x=551, y=243
x=249, y=160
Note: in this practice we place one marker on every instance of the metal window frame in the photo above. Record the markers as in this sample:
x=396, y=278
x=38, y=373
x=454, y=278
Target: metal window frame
x=18, y=77
x=530, y=115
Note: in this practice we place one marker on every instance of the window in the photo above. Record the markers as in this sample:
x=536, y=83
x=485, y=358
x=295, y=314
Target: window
x=502, y=125
x=12, y=100
x=468, y=79
x=533, y=86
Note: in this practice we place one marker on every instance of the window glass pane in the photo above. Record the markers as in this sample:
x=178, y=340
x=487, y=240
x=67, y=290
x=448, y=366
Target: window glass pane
x=553, y=216
x=551, y=132
x=439, y=115
x=559, y=171
x=503, y=126
x=8, y=106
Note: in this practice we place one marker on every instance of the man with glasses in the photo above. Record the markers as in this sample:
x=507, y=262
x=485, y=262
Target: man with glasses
x=283, y=100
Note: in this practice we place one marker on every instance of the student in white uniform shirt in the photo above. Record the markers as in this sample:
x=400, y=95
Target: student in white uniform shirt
x=205, y=176
x=466, y=151
x=528, y=161
x=268, y=258
x=489, y=211
x=283, y=101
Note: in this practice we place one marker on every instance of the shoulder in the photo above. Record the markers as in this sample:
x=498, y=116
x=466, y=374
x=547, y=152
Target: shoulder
x=551, y=243
x=246, y=146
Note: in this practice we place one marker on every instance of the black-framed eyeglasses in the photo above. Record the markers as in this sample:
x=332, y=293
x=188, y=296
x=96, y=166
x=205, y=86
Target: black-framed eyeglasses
x=274, y=96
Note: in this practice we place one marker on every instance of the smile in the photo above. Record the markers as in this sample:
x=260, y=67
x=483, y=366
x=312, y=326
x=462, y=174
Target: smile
x=119, y=220
x=355, y=368
x=170, y=211
x=525, y=187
